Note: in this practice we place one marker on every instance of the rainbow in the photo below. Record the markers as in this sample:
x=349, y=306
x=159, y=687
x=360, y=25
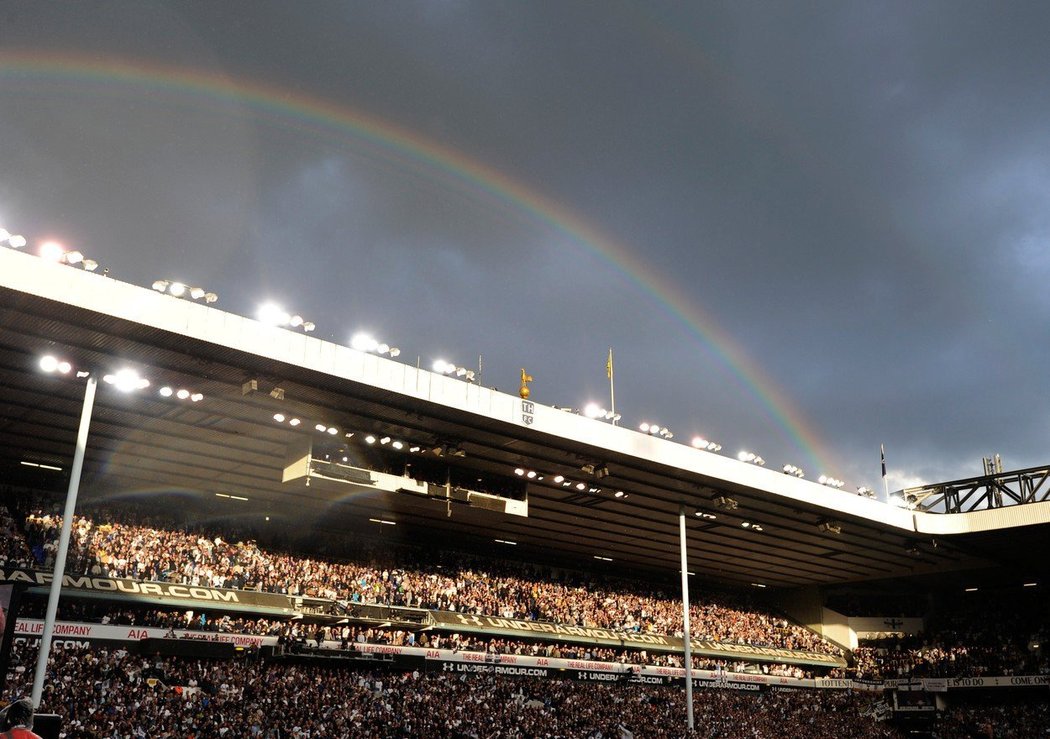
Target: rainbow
x=26, y=70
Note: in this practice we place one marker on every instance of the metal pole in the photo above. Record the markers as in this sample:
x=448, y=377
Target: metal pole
x=885, y=480
x=685, y=620
x=63, y=542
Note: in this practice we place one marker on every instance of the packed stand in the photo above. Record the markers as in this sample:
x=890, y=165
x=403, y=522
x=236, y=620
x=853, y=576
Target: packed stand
x=111, y=693
x=348, y=636
x=511, y=590
x=982, y=635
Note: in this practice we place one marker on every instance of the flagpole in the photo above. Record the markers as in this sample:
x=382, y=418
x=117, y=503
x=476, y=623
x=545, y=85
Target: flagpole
x=612, y=387
x=885, y=480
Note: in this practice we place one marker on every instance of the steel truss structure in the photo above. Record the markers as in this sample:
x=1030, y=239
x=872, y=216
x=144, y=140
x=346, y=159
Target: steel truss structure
x=980, y=493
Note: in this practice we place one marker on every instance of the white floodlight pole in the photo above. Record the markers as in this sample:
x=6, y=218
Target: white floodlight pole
x=686, y=639
x=63, y=541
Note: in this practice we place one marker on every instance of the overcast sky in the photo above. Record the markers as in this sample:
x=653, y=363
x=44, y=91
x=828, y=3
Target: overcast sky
x=805, y=229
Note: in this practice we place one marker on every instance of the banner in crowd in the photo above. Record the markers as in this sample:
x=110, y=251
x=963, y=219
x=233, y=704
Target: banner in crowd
x=75, y=635
x=1005, y=681
x=92, y=633
x=188, y=596
x=495, y=625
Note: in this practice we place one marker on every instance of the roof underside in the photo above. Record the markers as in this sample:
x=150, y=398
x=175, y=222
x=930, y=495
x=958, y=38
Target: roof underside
x=142, y=444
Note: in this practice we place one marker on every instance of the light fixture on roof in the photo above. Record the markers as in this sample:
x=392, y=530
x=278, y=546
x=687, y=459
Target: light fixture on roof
x=182, y=290
x=447, y=368
x=706, y=515
x=751, y=526
x=700, y=442
x=751, y=457
x=790, y=469
x=53, y=251
x=620, y=494
x=126, y=380
x=56, y=468
x=274, y=315
x=603, y=559
x=829, y=528
x=866, y=492
x=15, y=241
x=50, y=364
x=597, y=469
x=654, y=429
x=365, y=343
x=725, y=502
x=831, y=482
x=593, y=410
x=447, y=449
x=182, y=394
x=281, y=418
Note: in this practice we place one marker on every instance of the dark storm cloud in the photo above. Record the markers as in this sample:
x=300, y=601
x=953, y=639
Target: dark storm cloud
x=854, y=193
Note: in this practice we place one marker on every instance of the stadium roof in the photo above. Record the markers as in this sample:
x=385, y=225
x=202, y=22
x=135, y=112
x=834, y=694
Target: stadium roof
x=229, y=443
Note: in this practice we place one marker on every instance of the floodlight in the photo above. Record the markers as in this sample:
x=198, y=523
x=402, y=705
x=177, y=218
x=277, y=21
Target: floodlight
x=52, y=251
x=126, y=380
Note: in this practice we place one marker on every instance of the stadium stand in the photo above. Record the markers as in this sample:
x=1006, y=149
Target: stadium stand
x=124, y=693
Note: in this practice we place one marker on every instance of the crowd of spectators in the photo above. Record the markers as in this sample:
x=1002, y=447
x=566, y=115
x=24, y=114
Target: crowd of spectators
x=118, y=548
x=349, y=636
x=112, y=693
x=997, y=633
x=1007, y=721
x=963, y=642
x=14, y=551
x=921, y=657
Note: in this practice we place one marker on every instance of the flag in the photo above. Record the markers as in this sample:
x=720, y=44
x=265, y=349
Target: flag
x=882, y=448
x=608, y=365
